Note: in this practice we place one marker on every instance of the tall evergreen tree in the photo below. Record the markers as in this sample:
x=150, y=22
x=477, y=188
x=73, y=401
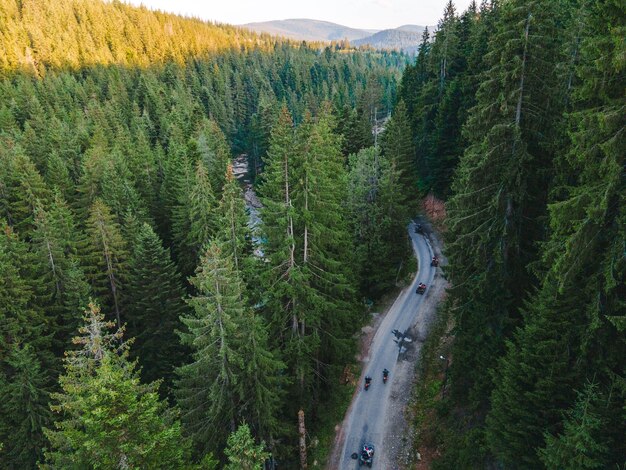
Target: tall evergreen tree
x=578, y=447
x=309, y=249
x=62, y=287
x=109, y=419
x=397, y=146
x=153, y=304
x=24, y=411
x=377, y=217
x=106, y=254
x=233, y=376
x=233, y=226
x=500, y=189
x=195, y=219
x=575, y=336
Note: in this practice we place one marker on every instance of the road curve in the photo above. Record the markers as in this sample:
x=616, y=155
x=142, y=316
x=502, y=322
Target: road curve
x=365, y=419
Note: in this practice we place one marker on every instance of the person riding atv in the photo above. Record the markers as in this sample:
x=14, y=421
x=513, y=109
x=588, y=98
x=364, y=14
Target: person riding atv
x=421, y=288
x=367, y=455
x=419, y=229
x=435, y=261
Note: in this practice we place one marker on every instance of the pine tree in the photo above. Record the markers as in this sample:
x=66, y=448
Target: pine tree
x=309, y=248
x=398, y=148
x=578, y=447
x=214, y=153
x=24, y=189
x=22, y=321
x=154, y=302
x=106, y=254
x=377, y=211
x=243, y=453
x=575, y=336
x=233, y=375
x=24, y=395
x=195, y=220
x=62, y=287
x=500, y=189
x=356, y=131
x=108, y=418
x=233, y=226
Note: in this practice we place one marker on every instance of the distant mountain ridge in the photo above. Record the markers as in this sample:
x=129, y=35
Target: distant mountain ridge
x=406, y=37
x=399, y=39
x=308, y=30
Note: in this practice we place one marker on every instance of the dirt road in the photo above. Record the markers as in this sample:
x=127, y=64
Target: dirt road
x=376, y=415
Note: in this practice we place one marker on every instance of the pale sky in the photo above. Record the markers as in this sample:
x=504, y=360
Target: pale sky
x=367, y=14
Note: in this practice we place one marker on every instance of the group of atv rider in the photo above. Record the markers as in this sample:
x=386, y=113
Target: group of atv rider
x=367, y=452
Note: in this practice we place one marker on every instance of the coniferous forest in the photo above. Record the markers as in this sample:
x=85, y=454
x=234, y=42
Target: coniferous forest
x=518, y=115
x=145, y=323
x=138, y=328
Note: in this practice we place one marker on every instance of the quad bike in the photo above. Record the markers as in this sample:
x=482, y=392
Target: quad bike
x=367, y=455
x=435, y=261
x=421, y=288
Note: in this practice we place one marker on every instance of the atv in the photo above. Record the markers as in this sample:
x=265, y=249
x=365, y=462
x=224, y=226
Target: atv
x=367, y=455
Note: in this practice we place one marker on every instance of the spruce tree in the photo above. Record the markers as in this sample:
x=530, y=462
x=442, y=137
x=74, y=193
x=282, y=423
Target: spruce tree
x=398, y=149
x=233, y=226
x=24, y=411
x=106, y=255
x=153, y=304
x=309, y=249
x=62, y=287
x=243, y=453
x=500, y=189
x=378, y=216
x=194, y=219
x=578, y=446
x=575, y=336
x=24, y=189
x=214, y=152
x=22, y=320
x=108, y=418
x=233, y=375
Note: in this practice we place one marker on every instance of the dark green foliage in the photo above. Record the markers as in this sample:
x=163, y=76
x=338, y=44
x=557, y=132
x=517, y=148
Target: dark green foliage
x=309, y=251
x=378, y=216
x=22, y=320
x=24, y=411
x=500, y=189
x=154, y=302
x=536, y=237
x=108, y=418
x=117, y=125
x=233, y=375
x=398, y=148
x=581, y=445
x=233, y=227
x=105, y=256
x=355, y=127
x=439, y=89
x=62, y=287
x=195, y=217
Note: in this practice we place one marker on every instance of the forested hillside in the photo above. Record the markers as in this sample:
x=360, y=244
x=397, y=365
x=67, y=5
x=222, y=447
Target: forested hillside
x=137, y=328
x=518, y=116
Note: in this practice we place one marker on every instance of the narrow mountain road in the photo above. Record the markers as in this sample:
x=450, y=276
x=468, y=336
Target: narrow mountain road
x=374, y=413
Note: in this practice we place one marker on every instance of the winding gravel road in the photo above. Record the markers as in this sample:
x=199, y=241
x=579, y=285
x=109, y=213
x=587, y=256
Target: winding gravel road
x=366, y=418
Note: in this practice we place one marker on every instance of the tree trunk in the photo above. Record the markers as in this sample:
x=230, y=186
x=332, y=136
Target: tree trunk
x=302, y=433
